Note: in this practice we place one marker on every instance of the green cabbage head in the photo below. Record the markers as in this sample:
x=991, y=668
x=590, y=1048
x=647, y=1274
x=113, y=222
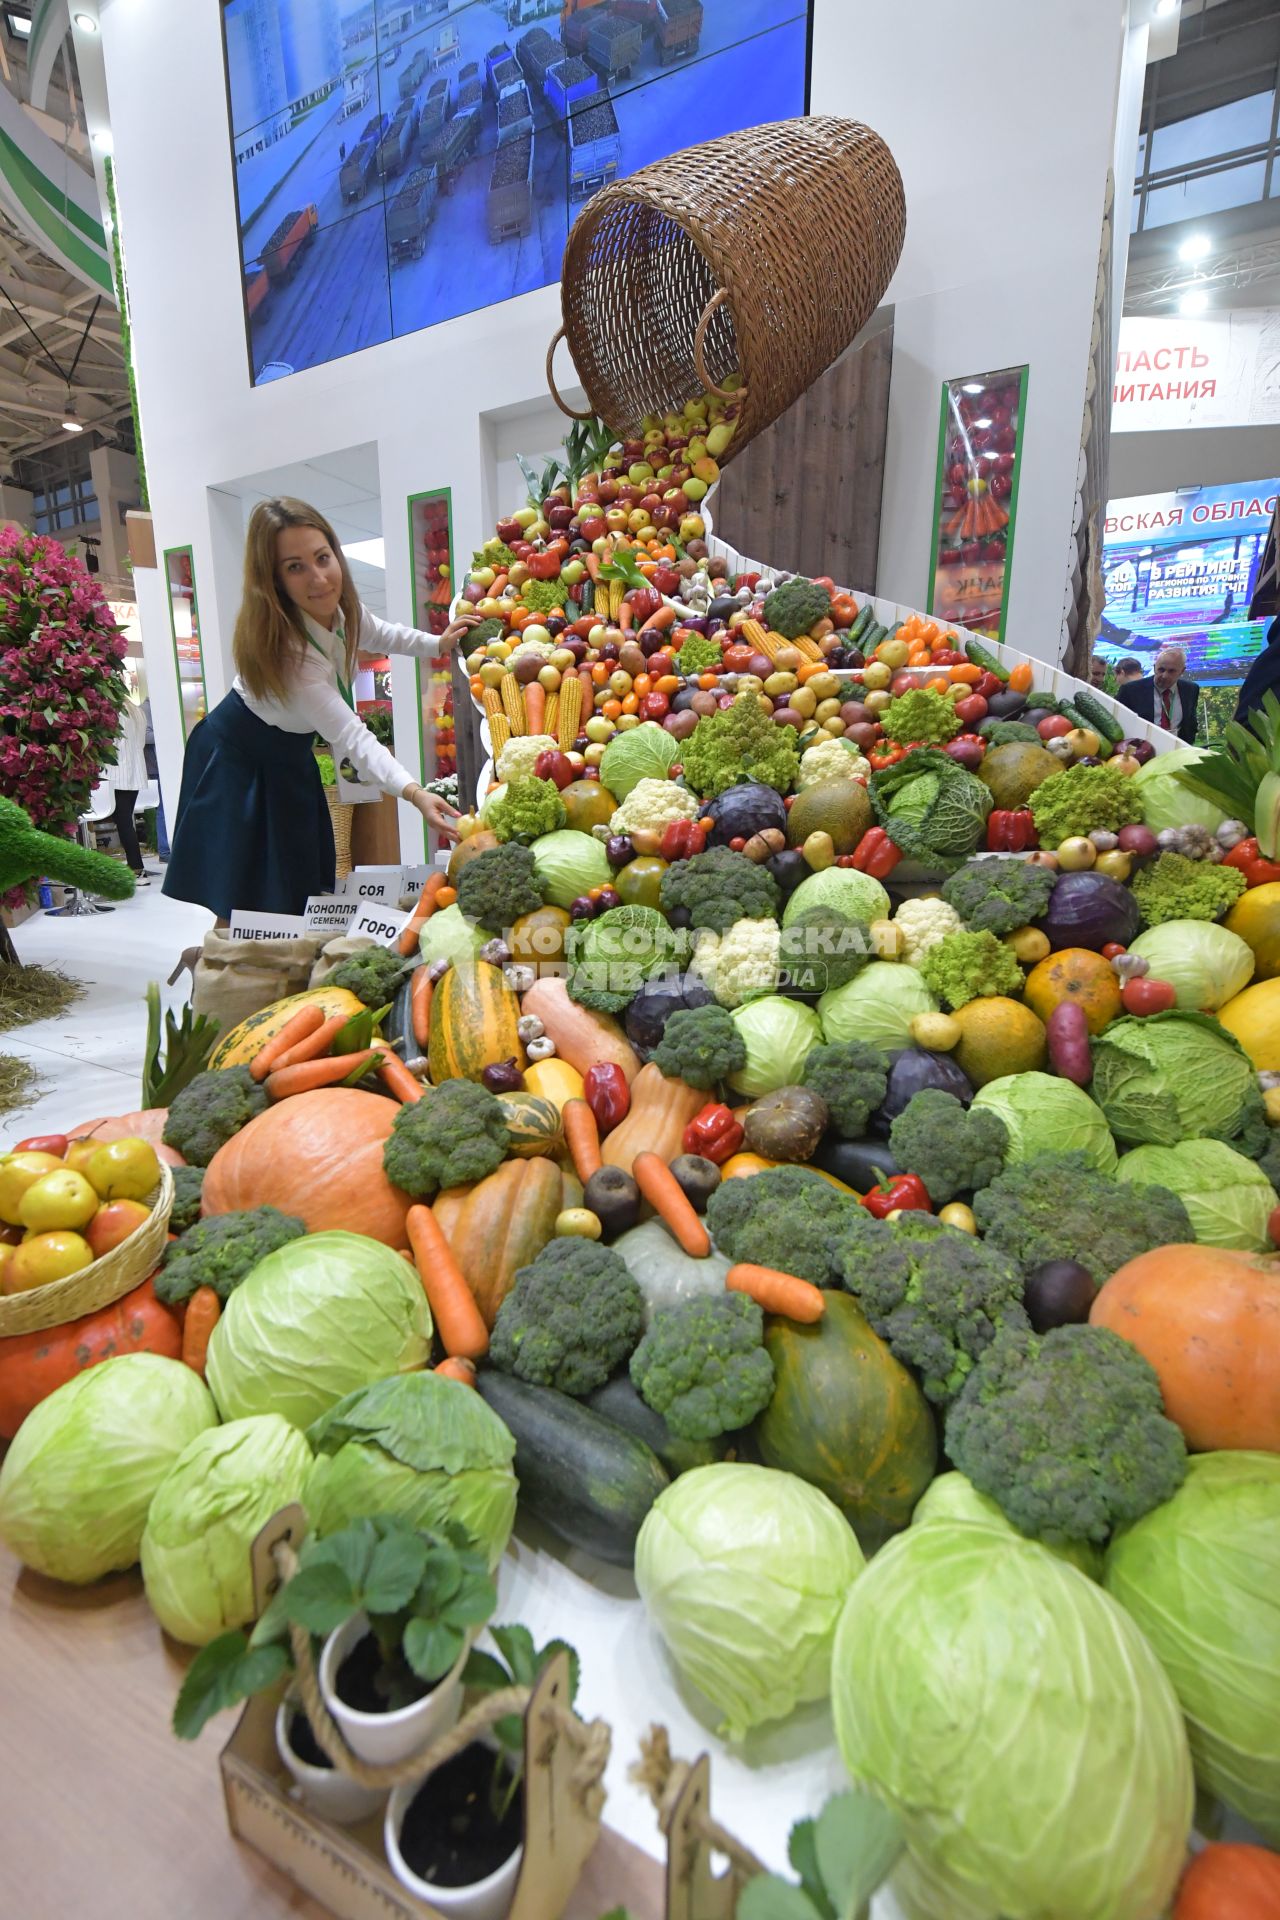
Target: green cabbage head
x=1170, y=1077
x=953, y=1497
x=1045, y=1114
x=85, y=1464
x=1201, y=1576
x=216, y=1498
x=1019, y=1725
x=1228, y=1198
x=420, y=1446
x=315, y=1320
x=780, y=1035
x=646, y=752
x=744, y=1571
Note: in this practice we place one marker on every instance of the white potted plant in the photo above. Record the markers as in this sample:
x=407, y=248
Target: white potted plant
x=324, y=1788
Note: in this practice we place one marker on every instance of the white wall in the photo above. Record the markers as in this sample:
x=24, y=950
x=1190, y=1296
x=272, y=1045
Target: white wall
x=1193, y=457
x=1004, y=203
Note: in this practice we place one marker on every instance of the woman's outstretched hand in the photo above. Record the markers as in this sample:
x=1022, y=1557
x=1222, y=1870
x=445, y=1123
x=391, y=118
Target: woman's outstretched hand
x=457, y=630
x=437, y=813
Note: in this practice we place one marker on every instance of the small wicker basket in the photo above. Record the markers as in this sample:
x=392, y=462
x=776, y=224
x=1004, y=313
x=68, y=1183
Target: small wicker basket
x=340, y=812
x=106, y=1281
x=763, y=253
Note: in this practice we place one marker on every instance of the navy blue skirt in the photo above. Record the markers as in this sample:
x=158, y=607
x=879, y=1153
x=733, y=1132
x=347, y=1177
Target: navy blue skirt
x=253, y=829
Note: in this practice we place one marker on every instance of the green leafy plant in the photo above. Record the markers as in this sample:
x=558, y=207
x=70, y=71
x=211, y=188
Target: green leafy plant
x=541, y=481
x=841, y=1858
x=187, y=1044
x=422, y=1593
x=520, y=1665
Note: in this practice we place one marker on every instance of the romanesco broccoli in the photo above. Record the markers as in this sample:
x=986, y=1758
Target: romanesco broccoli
x=703, y=1365
x=970, y=966
x=1083, y=800
x=571, y=1319
x=455, y=1134
x=701, y=1046
x=737, y=744
x=528, y=809
x=698, y=654
x=920, y=716
x=545, y=596
x=1175, y=888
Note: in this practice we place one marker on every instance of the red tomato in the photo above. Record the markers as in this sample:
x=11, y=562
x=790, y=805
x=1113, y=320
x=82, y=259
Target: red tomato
x=988, y=685
x=1053, y=725
x=1112, y=948
x=971, y=709
x=654, y=706
x=1148, y=996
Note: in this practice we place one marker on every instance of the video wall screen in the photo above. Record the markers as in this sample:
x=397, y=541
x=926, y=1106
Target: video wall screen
x=401, y=162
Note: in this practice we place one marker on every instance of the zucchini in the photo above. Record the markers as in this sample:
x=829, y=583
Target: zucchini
x=580, y=1474
x=617, y=1400
x=1099, y=715
x=399, y=1030
x=980, y=656
x=859, y=626
x=858, y=1163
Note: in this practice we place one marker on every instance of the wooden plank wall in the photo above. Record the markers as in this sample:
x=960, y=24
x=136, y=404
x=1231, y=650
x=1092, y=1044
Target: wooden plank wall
x=806, y=494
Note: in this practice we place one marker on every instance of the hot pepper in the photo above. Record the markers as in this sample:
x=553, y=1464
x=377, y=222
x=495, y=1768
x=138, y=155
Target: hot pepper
x=608, y=1094
x=1011, y=830
x=714, y=1133
x=682, y=839
x=903, y=1193
x=876, y=854
x=1257, y=871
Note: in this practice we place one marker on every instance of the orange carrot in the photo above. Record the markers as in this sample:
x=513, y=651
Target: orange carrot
x=315, y=1045
x=582, y=1136
x=535, y=706
x=310, y=1074
x=778, y=1292
x=396, y=1077
x=459, y=1321
x=204, y=1310
x=424, y=907
x=463, y=1371
x=665, y=617
x=304, y=1021
x=446, y=896
x=671, y=1203
x=626, y=614
x=420, y=1005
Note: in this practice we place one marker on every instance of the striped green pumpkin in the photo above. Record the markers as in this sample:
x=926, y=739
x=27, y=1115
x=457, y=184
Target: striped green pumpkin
x=534, y=1124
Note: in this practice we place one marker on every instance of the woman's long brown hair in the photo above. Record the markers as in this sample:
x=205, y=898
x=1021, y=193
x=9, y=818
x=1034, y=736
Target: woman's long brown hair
x=270, y=637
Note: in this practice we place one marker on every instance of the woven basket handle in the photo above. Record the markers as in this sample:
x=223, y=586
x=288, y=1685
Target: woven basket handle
x=551, y=382
x=716, y=301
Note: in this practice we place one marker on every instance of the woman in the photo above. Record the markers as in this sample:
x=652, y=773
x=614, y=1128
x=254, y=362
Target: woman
x=126, y=780
x=253, y=828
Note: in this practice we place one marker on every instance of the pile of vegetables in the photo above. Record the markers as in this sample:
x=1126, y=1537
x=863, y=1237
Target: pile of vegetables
x=827, y=1059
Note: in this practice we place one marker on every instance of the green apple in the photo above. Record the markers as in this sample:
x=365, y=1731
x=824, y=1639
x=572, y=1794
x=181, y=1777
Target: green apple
x=598, y=729
x=571, y=572
x=536, y=631
x=526, y=516
x=695, y=488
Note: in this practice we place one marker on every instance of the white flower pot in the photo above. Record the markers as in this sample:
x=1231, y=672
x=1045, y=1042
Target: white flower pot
x=328, y=1791
x=487, y=1899
x=385, y=1738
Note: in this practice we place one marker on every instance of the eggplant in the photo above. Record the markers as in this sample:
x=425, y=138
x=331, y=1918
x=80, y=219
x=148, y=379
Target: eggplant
x=910, y=1072
x=657, y=1000
x=789, y=868
x=723, y=609
x=1007, y=704
x=859, y=1163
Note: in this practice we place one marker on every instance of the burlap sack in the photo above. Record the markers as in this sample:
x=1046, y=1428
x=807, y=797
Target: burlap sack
x=235, y=977
x=334, y=953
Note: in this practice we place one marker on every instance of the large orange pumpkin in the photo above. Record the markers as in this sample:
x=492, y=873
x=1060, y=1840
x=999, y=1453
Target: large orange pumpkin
x=147, y=1125
x=1076, y=974
x=1208, y=1320
x=33, y=1365
x=317, y=1156
x=1230, y=1881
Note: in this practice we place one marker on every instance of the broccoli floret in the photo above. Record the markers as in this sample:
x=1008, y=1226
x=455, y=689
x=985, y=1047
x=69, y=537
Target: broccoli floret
x=1269, y=1158
x=920, y=716
x=1058, y=1207
x=995, y=896
x=822, y=950
x=954, y=1148
x=698, y=654
x=375, y=975
x=571, y=1319
x=937, y=1296
x=718, y=888
x=786, y=1217
x=528, y=809
x=701, y=1046
x=738, y=744
x=1009, y=733
x=188, y=1185
x=1175, y=888
x=851, y=1076
x=221, y=1251
x=209, y=1110
x=970, y=966
x=703, y=1365
x=1248, y=1130
x=796, y=607
x=498, y=886
x=486, y=630
x=456, y=1133
x=1067, y=1434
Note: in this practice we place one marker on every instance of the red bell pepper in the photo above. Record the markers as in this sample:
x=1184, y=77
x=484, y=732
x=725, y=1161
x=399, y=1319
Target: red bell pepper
x=608, y=1094
x=543, y=566
x=1257, y=870
x=1011, y=830
x=682, y=839
x=875, y=854
x=903, y=1192
x=714, y=1133
x=882, y=756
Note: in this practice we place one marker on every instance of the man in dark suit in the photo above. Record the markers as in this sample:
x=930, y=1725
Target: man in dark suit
x=1168, y=698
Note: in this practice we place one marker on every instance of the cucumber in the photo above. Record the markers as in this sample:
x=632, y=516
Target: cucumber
x=617, y=1400
x=982, y=657
x=1099, y=715
x=1073, y=713
x=859, y=626
x=580, y=1474
x=398, y=1030
x=872, y=637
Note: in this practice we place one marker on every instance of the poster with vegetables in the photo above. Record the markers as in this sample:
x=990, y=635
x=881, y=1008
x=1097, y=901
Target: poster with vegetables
x=976, y=500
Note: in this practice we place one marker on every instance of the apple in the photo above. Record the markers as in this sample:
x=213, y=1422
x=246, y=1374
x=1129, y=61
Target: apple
x=113, y=1224
x=692, y=527
x=45, y=1257
x=616, y=519
x=58, y=1201
x=54, y=1143
x=126, y=1169
x=18, y=1172
x=510, y=530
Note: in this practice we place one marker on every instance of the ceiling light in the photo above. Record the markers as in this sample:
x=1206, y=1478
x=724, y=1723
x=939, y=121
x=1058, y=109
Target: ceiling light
x=19, y=25
x=86, y=23
x=1193, y=302
x=70, y=421
x=1198, y=246
x=102, y=140
x=373, y=553
x=1163, y=8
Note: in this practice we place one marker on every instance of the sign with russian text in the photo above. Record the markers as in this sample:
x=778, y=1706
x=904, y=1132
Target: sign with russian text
x=330, y=913
x=1219, y=371
x=247, y=925
x=383, y=924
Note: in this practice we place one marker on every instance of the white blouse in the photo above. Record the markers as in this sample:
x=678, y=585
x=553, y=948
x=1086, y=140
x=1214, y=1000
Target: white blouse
x=315, y=702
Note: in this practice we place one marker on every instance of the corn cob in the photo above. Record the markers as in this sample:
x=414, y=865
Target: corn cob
x=492, y=705
x=569, y=711
x=499, y=732
x=513, y=702
x=807, y=647
x=550, y=718
x=752, y=634
x=617, y=593
x=602, y=599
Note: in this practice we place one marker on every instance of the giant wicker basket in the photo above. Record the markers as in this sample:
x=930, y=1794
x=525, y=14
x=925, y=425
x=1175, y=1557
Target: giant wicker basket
x=99, y=1285
x=762, y=254
x=340, y=812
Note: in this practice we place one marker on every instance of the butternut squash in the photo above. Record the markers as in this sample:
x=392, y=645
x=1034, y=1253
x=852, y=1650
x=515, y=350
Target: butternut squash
x=499, y=1225
x=583, y=1038
x=661, y=1109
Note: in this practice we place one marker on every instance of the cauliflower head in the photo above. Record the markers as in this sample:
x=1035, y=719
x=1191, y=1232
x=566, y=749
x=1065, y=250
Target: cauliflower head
x=742, y=963
x=516, y=761
x=652, y=805
x=831, y=760
x=923, y=924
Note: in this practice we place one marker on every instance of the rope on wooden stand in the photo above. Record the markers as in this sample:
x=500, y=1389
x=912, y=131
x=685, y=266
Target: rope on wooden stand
x=590, y=1742
x=663, y=1779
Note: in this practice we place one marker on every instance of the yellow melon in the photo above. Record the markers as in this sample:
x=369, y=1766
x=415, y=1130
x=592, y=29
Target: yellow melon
x=1254, y=1018
x=238, y=1048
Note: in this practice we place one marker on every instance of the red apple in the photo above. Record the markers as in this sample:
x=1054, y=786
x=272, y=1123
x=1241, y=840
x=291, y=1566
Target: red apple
x=509, y=531
x=113, y=1223
x=555, y=767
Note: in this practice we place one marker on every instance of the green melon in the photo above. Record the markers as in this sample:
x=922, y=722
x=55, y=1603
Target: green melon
x=838, y=807
x=1012, y=773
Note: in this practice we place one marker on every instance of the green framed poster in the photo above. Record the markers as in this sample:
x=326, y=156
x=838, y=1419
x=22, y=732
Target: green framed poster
x=431, y=564
x=184, y=626
x=976, y=499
